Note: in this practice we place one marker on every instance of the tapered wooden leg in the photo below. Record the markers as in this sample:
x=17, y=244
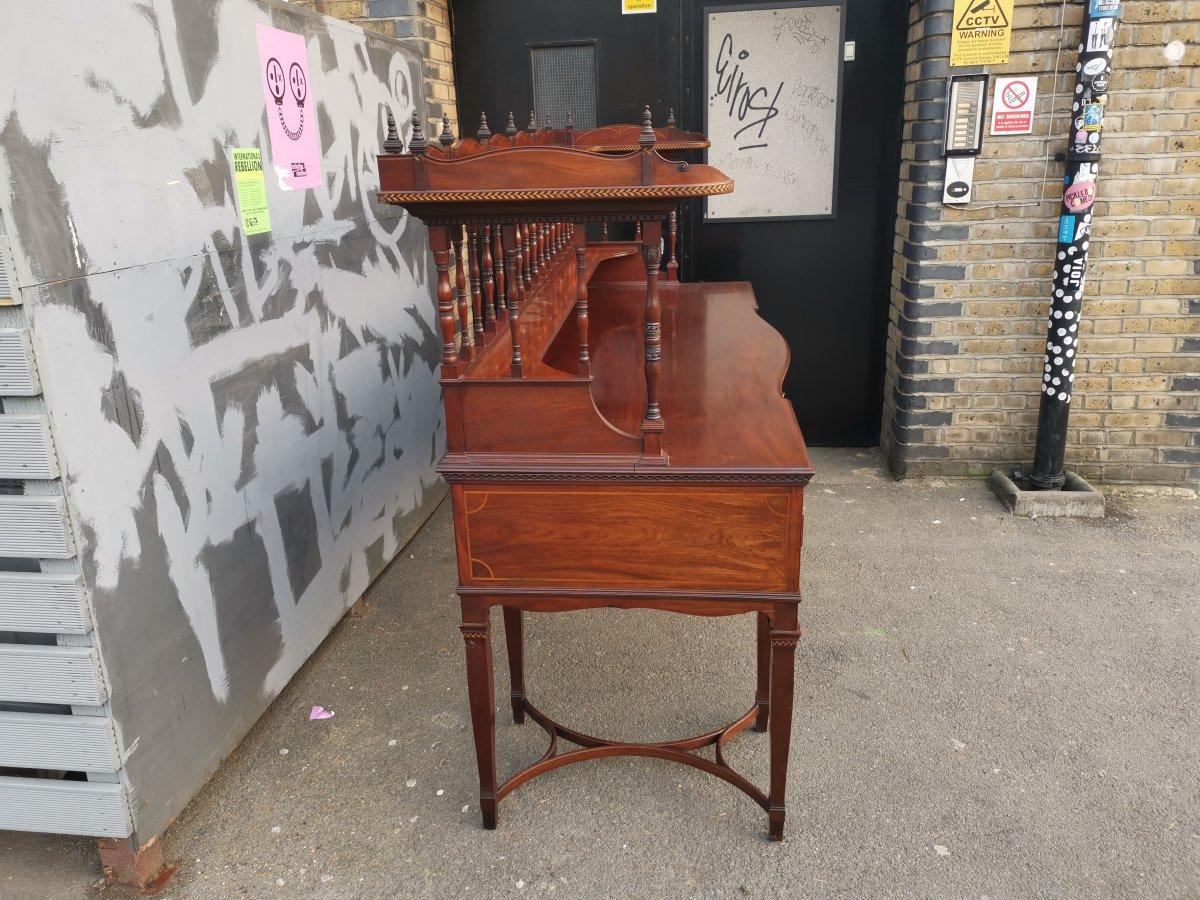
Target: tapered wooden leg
x=762, y=693
x=476, y=631
x=514, y=637
x=784, y=636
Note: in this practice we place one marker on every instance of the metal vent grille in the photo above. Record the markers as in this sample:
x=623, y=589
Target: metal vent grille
x=564, y=81
x=35, y=527
x=18, y=372
x=5, y=287
x=26, y=450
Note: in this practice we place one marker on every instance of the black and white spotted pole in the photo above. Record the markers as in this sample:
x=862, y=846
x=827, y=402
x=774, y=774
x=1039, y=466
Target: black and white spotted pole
x=1092, y=74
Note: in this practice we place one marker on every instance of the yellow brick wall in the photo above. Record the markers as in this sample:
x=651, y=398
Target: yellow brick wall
x=971, y=284
x=424, y=23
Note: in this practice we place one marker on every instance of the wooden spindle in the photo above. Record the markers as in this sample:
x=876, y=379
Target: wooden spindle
x=652, y=423
x=604, y=232
x=581, y=298
x=461, y=292
x=439, y=243
x=535, y=258
x=511, y=252
x=501, y=283
x=520, y=267
x=672, y=262
x=476, y=293
x=526, y=273
x=544, y=256
x=637, y=236
x=489, y=279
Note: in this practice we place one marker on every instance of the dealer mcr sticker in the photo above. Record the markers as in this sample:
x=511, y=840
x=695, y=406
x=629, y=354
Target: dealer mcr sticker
x=982, y=32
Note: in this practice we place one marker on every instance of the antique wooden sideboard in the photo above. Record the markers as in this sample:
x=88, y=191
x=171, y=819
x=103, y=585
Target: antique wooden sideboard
x=614, y=438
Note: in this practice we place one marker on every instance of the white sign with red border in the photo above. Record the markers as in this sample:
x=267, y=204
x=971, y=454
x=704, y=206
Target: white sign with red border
x=1012, y=105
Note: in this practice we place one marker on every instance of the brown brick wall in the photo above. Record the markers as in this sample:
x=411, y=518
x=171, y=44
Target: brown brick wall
x=971, y=285
x=425, y=23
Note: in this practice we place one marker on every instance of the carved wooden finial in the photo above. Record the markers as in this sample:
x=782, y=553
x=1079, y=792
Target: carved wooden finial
x=484, y=132
x=391, y=143
x=447, y=136
x=511, y=128
x=532, y=126
x=646, y=138
x=549, y=125
x=417, y=145
x=670, y=118
x=570, y=121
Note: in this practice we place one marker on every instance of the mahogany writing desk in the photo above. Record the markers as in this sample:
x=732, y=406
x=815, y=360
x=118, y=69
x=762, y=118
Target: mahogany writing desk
x=613, y=441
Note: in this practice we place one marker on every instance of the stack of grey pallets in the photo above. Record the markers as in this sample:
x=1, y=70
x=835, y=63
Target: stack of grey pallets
x=59, y=765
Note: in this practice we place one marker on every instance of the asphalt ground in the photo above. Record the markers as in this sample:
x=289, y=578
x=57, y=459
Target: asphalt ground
x=986, y=707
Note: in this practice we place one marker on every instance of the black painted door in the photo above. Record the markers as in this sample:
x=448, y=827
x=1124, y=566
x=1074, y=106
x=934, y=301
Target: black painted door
x=823, y=283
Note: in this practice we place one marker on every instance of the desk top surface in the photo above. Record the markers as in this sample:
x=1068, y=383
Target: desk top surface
x=723, y=368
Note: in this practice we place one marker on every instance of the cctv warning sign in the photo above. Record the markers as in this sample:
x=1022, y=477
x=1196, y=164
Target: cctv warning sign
x=982, y=32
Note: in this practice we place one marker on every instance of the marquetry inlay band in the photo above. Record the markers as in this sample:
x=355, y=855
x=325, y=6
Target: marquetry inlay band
x=659, y=146
x=538, y=194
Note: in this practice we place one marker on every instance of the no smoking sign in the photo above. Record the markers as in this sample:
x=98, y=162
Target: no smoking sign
x=1012, y=105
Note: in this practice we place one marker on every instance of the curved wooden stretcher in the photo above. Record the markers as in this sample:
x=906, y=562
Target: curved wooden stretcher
x=613, y=441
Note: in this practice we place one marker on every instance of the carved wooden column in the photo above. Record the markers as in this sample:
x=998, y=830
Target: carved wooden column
x=439, y=243
x=535, y=269
x=672, y=236
x=501, y=283
x=489, y=279
x=510, y=254
x=604, y=232
x=476, y=632
x=464, y=313
x=476, y=294
x=526, y=272
x=581, y=299
x=652, y=422
x=785, y=634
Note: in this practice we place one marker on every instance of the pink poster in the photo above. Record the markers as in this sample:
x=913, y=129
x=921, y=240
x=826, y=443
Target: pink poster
x=291, y=113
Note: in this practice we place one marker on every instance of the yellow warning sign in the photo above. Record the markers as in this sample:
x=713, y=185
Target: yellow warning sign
x=982, y=32
x=629, y=7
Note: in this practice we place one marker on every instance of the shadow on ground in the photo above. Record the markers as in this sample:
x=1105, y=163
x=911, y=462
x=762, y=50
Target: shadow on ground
x=986, y=706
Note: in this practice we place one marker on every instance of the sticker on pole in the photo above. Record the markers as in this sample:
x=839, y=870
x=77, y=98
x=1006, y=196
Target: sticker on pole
x=982, y=32
x=1101, y=35
x=633, y=7
x=1013, y=104
x=1080, y=196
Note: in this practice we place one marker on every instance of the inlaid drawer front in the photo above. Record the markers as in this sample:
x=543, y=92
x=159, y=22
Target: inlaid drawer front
x=694, y=537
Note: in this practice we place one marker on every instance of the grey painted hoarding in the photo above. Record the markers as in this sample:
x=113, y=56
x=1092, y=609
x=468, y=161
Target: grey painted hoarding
x=246, y=426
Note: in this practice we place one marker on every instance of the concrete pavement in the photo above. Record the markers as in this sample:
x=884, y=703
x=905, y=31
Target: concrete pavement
x=986, y=707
